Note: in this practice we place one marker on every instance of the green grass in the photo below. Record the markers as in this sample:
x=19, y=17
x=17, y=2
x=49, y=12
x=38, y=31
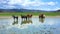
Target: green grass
x=33, y=13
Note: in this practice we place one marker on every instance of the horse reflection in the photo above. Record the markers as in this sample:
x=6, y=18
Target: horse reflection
x=15, y=19
x=15, y=22
x=26, y=21
x=41, y=20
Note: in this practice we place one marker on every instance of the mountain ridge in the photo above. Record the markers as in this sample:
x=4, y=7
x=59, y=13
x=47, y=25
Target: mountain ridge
x=25, y=10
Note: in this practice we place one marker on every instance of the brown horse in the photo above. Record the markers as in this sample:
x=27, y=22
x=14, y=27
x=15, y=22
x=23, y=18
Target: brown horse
x=42, y=16
x=26, y=16
x=29, y=16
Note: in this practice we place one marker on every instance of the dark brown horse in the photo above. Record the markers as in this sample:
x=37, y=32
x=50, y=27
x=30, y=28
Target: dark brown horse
x=15, y=17
x=29, y=16
x=26, y=16
x=41, y=16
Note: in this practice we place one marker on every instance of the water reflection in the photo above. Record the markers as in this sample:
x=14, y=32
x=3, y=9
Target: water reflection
x=35, y=28
x=15, y=22
x=15, y=18
x=41, y=20
x=26, y=21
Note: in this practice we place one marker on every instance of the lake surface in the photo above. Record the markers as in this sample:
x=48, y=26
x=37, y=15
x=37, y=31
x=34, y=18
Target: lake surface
x=49, y=25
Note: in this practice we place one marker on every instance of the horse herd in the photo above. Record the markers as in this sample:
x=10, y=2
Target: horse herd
x=28, y=16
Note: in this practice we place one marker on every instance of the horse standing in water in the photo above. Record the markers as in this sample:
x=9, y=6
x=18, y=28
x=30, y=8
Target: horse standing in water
x=15, y=17
x=29, y=16
x=42, y=16
x=26, y=16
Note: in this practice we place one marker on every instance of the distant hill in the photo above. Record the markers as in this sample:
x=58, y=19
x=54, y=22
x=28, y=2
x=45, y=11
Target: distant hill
x=24, y=10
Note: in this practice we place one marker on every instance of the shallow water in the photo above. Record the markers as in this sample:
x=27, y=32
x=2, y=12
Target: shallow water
x=31, y=26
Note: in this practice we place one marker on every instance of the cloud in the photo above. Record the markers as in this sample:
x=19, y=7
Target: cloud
x=49, y=9
x=12, y=2
x=57, y=8
x=51, y=3
x=28, y=4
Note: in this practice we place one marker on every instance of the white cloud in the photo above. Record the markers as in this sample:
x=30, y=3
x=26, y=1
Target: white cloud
x=52, y=3
x=49, y=9
x=57, y=8
x=32, y=4
x=12, y=2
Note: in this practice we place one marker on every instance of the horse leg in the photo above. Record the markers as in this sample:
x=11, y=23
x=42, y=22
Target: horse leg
x=26, y=18
x=17, y=18
x=39, y=17
x=14, y=18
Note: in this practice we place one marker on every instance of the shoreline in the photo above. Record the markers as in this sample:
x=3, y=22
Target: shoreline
x=20, y=16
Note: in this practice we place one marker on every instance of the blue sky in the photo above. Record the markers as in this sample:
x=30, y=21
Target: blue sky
x=30, y=4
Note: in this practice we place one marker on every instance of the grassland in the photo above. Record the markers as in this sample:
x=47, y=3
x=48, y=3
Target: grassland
x=33, y=13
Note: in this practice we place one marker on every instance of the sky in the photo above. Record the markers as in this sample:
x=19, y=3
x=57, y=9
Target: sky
x=30, y=4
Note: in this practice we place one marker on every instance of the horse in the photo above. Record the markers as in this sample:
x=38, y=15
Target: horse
x=15, y=17
x=29, y=16
x=42, y=16
x=26, y=16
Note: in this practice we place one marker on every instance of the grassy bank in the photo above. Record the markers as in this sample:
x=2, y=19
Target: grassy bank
x=33, y=13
